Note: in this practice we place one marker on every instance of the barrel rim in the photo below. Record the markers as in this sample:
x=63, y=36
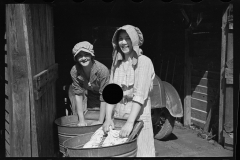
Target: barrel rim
x=67, y=147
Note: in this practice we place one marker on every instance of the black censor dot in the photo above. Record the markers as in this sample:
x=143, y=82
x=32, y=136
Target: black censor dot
x=112, y=94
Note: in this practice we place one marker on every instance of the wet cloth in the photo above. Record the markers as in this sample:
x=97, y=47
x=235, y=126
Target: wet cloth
x=136, y=82
x=112, y=138
x=99, y=78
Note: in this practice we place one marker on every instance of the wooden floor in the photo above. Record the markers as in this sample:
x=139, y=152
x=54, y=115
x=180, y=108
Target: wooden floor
x=186, y=143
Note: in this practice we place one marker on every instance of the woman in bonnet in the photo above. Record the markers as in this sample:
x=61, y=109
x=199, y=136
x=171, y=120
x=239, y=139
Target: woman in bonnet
x=134, y=73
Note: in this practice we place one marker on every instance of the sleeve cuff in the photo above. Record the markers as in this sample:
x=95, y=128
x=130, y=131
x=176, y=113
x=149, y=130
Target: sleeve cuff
x=138, y=99
x=101, y=98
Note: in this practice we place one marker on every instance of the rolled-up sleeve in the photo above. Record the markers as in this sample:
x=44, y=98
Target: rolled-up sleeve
x=104, y=81
x=144, y=76
x=77, y=87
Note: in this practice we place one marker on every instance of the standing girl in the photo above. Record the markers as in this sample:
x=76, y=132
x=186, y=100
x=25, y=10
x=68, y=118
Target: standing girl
x=134, y=73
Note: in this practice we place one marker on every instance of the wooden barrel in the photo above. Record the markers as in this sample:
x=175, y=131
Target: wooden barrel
x=73, y=146
x=67, y=129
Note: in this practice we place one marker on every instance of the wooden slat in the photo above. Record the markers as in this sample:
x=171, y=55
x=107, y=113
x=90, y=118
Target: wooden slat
x=229, y=81
x=7, y=137
x=205, y=90
x=7, y=117
x=230, y=63
x=6, y=61
x=205, y=82
x=6, y=74
x=204, y=106
x=41, y=52
x=228, y=73
x=7, y=128
x=205, y=74
x=222, y=79
x=40, y=79
x=43, y=80
x=7, y=105
x=203, y=97
x=7, y=147
x=197, y=123
x=32, y=62
x=199, y=115
x=7, y=154
x=6, y=89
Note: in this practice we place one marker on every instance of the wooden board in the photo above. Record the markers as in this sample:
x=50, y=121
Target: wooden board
x=205, y=90
x=7, y=105
x=18, y=78
x=7, y=137
x=7, y=128
x=7, y=147
x=6, y=74
x=203, y=97
x=7, y=117
x=39, y=24
x=205, y=82
x=198, y=115
x=222, y=69
x=6, y=89
x=204, y=106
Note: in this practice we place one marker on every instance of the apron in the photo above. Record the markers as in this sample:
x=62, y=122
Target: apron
x=145, y=139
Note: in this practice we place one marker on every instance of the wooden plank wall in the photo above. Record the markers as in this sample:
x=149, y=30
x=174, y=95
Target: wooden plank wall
x=7, y=110
x=17, y=100
x=39, y=26
x=204, y=76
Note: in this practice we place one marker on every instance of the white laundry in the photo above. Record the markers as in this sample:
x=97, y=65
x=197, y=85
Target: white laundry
x=95, y=139
x=111, y=139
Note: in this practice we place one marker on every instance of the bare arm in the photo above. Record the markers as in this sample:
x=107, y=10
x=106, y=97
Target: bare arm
x=108, y=122
x=102, y=112
x=79, y=100
x=134, y=112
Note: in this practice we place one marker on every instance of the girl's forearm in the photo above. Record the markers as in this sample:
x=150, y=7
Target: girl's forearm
x=134, y=112
x=102, y=111
x=79, y=106
x=109, y=110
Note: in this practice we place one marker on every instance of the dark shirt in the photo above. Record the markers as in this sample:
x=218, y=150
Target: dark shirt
x=99, y=78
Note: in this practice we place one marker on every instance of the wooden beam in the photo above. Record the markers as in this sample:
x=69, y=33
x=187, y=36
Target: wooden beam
x=19, y=114
x=222, y=78
x=27, y=31
x=187, y=81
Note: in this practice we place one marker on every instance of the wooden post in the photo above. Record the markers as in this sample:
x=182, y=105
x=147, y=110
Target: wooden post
x=187, y=81
x=222, y=77
x=19, y=114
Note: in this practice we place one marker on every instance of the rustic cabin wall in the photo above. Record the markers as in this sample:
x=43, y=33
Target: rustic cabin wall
x=40, y=39
x=30, y=107
x=17, y=124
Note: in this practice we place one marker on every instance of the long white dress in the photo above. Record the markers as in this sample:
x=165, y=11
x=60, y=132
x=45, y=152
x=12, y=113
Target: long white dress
x=142, y=76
